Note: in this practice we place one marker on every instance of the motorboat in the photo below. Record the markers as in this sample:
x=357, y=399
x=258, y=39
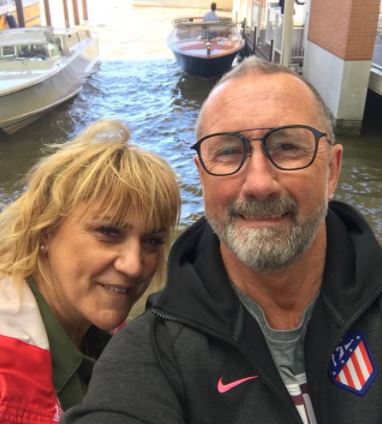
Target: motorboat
x=40, y=68
x=205, y=49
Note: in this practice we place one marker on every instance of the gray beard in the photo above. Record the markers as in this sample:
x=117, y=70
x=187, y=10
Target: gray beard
x=268, y=249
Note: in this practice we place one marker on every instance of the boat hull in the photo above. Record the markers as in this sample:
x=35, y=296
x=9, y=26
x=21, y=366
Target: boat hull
x=20, y=108
x=205, y=67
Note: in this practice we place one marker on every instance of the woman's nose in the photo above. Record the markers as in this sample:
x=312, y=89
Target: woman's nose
x=129, y=260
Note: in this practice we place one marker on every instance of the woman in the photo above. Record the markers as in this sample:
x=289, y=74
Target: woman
x=77, y=249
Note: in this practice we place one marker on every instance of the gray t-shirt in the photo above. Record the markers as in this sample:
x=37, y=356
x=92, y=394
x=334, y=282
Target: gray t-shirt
x=287, y=349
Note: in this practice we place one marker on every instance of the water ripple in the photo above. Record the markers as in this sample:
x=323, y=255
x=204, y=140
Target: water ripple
x=160, y=104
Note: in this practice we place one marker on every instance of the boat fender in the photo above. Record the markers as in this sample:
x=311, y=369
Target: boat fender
x=11, y=21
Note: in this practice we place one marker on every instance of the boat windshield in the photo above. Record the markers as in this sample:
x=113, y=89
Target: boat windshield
x=37, y=51
x=191, y=30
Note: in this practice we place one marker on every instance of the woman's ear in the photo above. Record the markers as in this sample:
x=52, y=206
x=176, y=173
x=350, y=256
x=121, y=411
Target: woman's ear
x=44, y=241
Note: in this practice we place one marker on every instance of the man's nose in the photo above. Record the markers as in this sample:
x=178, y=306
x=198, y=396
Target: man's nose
x=260, y=175
x=129, y=260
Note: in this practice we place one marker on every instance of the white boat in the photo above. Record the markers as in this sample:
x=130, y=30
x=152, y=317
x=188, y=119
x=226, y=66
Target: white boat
x=205, y=49
x=39, y=69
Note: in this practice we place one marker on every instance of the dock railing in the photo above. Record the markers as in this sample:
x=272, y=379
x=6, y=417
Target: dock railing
x=264, y=32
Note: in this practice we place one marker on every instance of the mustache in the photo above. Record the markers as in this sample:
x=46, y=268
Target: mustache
x=263, y=208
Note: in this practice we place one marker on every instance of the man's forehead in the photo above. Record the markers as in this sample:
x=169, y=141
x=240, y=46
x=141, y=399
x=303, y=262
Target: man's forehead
x=261, y=83
x=260, y=96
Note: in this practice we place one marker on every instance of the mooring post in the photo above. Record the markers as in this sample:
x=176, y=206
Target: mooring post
x=85, y=10
x=47, y=13
x=20, y=13
x=75, y=12
x=66, y=14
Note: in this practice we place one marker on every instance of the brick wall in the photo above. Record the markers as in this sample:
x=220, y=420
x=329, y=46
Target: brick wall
x=346, y=28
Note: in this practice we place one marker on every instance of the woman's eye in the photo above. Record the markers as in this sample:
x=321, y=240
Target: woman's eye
x=153, y=242
x=108, y=232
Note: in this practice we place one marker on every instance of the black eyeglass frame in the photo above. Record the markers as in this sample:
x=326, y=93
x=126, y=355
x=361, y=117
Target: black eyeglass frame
x=248, y=148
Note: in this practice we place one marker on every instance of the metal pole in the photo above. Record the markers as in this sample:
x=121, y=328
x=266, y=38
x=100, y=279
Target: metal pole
x=66, y=14
x=85, y=10
x=20, y=13
x=47, y=13
x=243, y=25
x=287, y=33
x=271, y=52
x=254, y=40
x=75, y=12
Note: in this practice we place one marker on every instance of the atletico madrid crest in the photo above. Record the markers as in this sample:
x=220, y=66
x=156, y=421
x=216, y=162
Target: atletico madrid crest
x=352, y=366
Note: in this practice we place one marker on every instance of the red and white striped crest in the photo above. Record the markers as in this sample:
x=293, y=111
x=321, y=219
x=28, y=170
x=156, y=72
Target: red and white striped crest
x=352, y=366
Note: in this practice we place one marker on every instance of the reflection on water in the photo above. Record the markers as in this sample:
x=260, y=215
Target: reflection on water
x=361, y=178
x=160, y=105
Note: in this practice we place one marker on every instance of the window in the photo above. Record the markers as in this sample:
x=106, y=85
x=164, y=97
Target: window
x=8, y=51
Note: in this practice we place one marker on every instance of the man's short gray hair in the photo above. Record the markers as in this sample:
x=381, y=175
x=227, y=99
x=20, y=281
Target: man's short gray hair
x=254, y=65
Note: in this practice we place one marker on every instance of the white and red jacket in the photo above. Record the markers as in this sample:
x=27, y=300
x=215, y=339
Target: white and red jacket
x=27, y=394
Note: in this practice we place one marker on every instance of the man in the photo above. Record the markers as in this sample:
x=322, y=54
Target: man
x=211, y=15
x=272, y=311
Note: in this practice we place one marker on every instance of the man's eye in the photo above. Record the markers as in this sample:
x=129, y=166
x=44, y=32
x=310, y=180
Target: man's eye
x=288, y=146
x=227, y=152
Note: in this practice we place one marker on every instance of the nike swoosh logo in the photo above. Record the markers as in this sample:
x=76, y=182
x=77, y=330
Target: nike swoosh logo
x=222, y=388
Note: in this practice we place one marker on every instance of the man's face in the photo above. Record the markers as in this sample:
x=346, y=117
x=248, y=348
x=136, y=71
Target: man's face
x=266, y=216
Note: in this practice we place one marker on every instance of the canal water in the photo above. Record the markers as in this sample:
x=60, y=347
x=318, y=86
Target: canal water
x=138, y=81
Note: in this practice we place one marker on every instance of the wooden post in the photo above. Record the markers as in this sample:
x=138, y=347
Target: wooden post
x=75, y=12
x=20, y=13
x=287, y=33
x=47, y=13
x=66, y=13
x=85, y=10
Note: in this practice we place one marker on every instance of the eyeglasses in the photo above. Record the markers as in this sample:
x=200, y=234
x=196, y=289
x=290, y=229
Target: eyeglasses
x=289, y=148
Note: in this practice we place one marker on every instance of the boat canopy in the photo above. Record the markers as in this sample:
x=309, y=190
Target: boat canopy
x=40, y=43
x=20, y=36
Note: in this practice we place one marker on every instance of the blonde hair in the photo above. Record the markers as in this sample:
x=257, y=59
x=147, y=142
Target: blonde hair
x=97, y=168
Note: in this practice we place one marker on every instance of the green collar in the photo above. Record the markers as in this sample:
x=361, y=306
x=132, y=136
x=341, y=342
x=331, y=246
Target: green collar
x=71, y=367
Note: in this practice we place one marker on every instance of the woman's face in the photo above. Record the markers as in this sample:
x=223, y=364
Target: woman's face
x=97, y=270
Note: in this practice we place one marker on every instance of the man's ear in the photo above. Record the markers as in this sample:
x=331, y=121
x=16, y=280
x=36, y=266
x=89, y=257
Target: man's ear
x=200, y=170
x=335, y=163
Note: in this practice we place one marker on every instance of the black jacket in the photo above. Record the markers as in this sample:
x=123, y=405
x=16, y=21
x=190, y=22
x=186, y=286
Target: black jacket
x=164, y=368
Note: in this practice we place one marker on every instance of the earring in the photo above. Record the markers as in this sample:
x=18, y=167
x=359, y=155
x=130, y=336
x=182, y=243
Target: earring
x=43, y=248
x=331, y=196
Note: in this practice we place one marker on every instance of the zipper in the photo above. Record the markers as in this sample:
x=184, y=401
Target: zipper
x=341, y=334
x=233, y=342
